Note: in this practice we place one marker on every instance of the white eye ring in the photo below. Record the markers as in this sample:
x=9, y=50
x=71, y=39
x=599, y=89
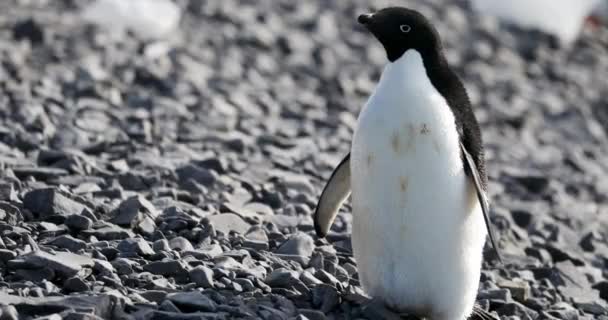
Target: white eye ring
x=405, y=28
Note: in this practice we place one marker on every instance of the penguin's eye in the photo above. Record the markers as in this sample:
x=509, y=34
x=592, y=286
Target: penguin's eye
x=405, y=28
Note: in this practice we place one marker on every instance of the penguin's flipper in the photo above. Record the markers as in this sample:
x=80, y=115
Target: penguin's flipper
x=334, y=194
x=481, y=195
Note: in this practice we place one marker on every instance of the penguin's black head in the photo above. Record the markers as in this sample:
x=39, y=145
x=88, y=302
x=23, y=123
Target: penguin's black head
x=400, y=29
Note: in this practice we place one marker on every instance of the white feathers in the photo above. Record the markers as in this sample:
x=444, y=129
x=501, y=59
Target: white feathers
x=418, y=231
x=148, y=18
x=563, y=18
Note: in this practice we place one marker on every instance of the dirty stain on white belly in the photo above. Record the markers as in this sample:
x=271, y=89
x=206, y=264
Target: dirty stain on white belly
x=418, y=231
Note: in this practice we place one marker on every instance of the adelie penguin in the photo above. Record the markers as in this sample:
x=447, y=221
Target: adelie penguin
x=417, y=175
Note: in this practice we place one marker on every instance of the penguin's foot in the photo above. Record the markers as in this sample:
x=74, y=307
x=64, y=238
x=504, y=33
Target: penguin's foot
x=481, y=314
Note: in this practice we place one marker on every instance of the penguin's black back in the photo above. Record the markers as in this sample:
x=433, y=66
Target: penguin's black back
x=451, y=88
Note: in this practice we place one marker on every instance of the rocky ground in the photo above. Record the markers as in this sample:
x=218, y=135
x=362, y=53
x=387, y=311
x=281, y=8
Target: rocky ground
x=176, y=179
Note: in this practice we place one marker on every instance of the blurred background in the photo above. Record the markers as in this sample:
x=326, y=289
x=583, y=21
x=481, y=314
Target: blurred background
x=185, y=143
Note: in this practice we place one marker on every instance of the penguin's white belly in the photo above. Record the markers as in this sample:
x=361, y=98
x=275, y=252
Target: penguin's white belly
x=418, y=230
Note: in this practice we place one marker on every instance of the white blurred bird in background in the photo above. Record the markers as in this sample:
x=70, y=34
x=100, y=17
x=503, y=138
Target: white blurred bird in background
x=562, y=18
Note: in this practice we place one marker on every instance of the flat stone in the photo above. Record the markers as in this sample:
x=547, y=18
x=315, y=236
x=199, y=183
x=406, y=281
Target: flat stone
x=192, y=301
x=40, y=173
x=110, y=232
x=167, y=268
x=65, y=263
x=227, y=222
x=68, y=242
x=103, y=305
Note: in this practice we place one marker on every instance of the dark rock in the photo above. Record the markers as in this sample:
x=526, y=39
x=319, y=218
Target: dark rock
x=110, y=232
x=6, y=255
x=282, y=278
x=325, y=297
x=49, y=202
x=202, y=276
x=75, y=284
x=135, y=245
x=69, y=243
x=62, y=262
x=78, y=222
x=198, y=174
x=40, y=173
x=167, y=268
x=161, y=245
x=168, y=306
x=104, y=306
x=518, y=310
x=192, y=301
x=30, y=30
x=520, y=291
x=132, y=211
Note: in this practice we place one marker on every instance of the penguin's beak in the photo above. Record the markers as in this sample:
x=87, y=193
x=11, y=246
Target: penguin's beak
x=365, y=18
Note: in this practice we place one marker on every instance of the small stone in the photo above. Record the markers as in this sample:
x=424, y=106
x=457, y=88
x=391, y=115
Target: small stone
x=6, y=255
x=154, y=295
x=180, y=244
x=135, y=245
x=326, y=277
x=132, y=211
x=168, y=306
x=201, y=175
x=309, y=279
x=75, y=284
x=312, y=314
x=8, y=312
x=518, y=310
x=28, y=30
x=202, y=276
x=299, y=244
x=520, y=290
x=325, y=297
x=255, y=245
x=161, y=245
x=499, y=295
x=282, y=278
x=78, y=222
